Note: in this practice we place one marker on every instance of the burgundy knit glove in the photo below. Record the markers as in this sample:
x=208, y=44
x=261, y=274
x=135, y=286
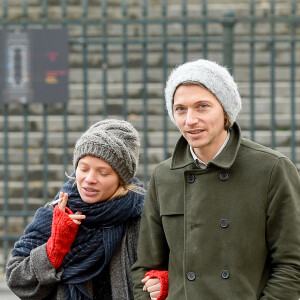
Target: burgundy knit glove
x=63, y=233
x=163, y=277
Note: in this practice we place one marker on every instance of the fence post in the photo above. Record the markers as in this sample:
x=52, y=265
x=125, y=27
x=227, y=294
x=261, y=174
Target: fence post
x=228, y=24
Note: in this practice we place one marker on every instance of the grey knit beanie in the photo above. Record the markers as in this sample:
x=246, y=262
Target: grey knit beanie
x=214, y=77
x=114, y=141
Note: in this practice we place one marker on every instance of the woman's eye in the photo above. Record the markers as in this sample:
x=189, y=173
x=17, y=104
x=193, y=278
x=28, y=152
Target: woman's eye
x=103, y=174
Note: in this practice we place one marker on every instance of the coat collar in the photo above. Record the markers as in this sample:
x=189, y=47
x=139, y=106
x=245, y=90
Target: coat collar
x=182, y=156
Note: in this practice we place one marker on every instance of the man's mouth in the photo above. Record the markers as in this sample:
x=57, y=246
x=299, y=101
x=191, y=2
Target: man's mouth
x=195, y=132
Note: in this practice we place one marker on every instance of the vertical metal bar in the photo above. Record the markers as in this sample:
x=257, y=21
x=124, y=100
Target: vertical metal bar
x=25, y=143
x=6, y=163
x=251, y=64
x=64, y=7
x=104, y=56
x=184, y=30
x=45, y=123
x=272, y=75
x=145, y=106
x=45, y=154
x=6, y=182
x=44, y=12
x=228, y=24
x=125, y=62
x=204, y=29
x=65, y=105
x=84, y=6
x=165, y=70
x=293, y=79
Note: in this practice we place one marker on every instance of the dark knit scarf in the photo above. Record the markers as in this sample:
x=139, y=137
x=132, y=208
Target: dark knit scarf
x=96, y=241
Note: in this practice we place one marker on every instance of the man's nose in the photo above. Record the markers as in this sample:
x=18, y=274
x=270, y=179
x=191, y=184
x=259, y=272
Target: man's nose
x=190, y=117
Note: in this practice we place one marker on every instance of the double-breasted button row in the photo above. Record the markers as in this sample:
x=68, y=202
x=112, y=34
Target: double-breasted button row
x=224, y=223
x=192, y=276
x=191, y=178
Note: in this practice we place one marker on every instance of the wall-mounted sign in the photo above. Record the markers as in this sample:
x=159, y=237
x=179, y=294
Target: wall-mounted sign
x=34, y=66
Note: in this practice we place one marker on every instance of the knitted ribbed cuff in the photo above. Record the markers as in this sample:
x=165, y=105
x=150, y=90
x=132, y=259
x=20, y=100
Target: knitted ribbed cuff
x=63, y=233
x=163, y=277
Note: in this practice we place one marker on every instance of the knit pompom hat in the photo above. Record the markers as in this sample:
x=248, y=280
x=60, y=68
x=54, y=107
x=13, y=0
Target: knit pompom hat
x=211, y=75
x=116, y=142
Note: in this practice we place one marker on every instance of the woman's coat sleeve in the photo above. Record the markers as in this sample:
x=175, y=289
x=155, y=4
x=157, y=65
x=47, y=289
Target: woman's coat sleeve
x=32, y=277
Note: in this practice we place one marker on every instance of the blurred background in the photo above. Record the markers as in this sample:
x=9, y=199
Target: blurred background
x=67, y=64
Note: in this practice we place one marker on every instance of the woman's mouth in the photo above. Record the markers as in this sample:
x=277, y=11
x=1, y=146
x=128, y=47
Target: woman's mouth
x=90, y=192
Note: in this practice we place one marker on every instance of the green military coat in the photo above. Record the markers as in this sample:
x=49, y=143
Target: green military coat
x=231, y=231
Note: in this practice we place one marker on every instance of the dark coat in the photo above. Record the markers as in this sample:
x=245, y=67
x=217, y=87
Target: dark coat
x=231, y=231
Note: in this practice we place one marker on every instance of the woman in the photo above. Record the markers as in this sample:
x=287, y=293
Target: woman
x=83, y=245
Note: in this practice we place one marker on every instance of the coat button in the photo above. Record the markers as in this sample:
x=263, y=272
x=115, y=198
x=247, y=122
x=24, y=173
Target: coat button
x=190, y=178
x=224, y=223
x=223, y=176
x=191, y=276
x=225, y=274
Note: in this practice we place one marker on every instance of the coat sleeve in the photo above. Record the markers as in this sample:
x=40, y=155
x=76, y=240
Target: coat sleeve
x=283, y=232
x=153, y=250
x=32, y=277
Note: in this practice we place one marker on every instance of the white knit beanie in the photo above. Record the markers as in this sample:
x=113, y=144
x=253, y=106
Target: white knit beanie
x=211, y=75
x=116, y=142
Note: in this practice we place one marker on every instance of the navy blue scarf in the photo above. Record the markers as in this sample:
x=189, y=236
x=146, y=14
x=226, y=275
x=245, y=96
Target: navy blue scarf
x=96, y=241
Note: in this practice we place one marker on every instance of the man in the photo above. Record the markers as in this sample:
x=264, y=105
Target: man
x=222, y=215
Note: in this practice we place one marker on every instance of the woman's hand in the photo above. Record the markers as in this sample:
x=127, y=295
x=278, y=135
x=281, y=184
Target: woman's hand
x=152, y=286
x=77, y=217
x=64, y=229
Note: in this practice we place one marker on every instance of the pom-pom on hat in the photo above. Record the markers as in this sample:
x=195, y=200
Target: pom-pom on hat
x=116, y=142
x=212, y=76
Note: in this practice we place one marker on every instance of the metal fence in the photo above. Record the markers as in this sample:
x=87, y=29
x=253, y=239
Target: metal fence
x=120, y=54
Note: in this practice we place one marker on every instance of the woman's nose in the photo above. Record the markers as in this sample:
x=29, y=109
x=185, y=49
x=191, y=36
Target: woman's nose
x=90, y=177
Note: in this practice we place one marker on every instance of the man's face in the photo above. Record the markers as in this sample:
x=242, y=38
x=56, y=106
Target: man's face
x=200, y=118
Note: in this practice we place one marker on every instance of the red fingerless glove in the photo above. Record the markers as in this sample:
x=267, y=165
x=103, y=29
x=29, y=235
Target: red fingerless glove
x=63, y=233
x=163, y=277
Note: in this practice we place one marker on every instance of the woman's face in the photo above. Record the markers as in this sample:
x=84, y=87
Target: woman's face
x=96, y=179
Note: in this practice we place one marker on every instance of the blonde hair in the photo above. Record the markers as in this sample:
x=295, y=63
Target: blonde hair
x=122, y=190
